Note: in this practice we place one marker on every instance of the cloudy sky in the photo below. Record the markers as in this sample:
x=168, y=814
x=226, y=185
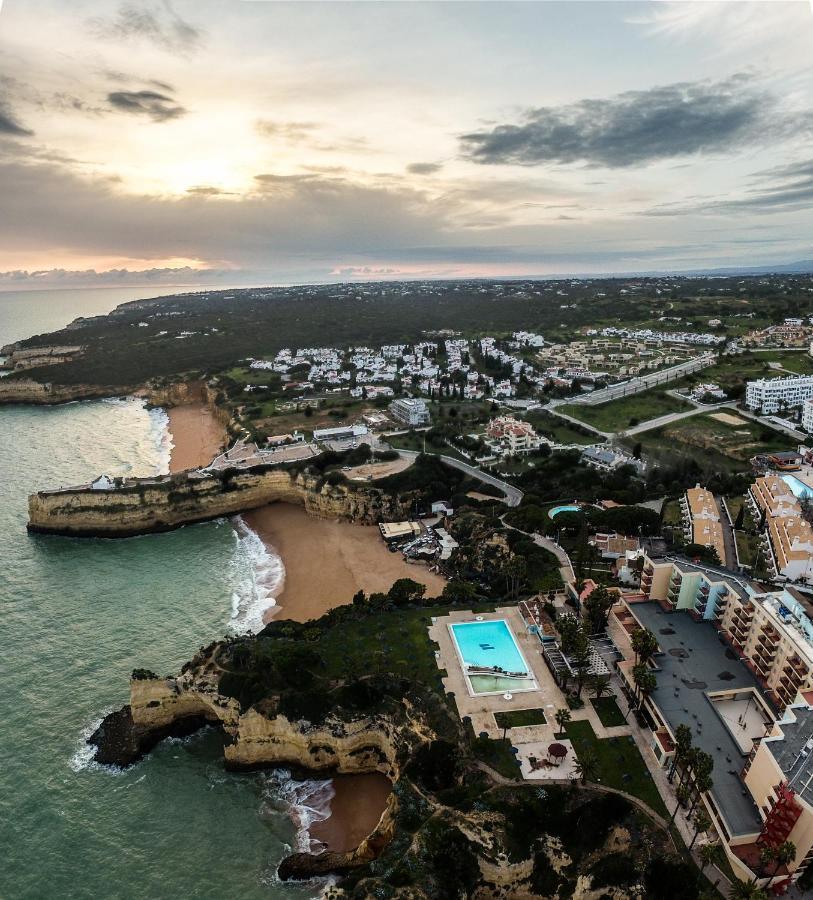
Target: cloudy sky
x=281, y=142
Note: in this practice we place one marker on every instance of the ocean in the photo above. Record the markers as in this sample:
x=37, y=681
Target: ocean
x=78, y=616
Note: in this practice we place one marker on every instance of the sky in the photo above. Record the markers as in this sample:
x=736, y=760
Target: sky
x=246, y=141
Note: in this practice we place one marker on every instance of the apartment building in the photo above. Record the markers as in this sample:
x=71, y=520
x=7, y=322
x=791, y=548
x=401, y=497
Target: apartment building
x=807, y=415
x=510, y=437
x=770, y=395
x=761, y=793
x=787, y=541
x=701, y=521
x=410, y=411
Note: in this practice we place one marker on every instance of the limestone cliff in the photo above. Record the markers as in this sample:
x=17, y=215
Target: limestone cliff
x=32, y=357
x=43, y=393
x=142, y=506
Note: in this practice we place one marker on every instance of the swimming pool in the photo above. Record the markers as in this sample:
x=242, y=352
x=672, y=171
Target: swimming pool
x=571, y=507
x=491, y=646
x=799, y=488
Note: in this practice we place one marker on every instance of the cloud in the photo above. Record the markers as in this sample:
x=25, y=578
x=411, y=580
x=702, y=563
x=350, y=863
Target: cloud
x=424, y=168
x=782, y=189
x=154, y=23
x=289, y=131
x=207, y=190
x=9, y=125
x=159, y=107
x=21, y=279
x=631, y=128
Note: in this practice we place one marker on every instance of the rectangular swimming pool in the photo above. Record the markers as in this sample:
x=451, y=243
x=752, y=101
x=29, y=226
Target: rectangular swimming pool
x=491, y=658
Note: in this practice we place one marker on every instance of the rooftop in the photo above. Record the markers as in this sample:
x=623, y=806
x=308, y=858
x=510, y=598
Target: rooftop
x=693, y=664
x=794, y=752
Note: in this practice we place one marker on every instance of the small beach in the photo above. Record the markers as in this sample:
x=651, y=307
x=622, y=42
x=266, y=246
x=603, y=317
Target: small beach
x=355, y=809
x=327, y=562
x=197, y=436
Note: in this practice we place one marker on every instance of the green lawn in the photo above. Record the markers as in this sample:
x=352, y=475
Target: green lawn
x=746, y=547
x=558, y=430
x=608, y=711
x=520, y=718
x=735, y=504
x=620, y=765
x=395, y=642
x=617, y=415
x=672, y=514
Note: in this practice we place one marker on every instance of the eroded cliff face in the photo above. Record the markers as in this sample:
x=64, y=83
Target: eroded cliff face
x=141, y=506
x=29, y=391
x=176, y=706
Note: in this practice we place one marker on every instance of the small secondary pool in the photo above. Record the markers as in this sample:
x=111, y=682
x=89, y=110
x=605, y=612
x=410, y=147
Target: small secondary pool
x=490, y=646
x=799, y=488
x=571, y=507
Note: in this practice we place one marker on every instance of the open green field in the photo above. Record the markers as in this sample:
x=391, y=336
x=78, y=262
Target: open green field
x=731, y=371
x=520, y=718
x=712, y=442
x=620, y=764
x=608, y=711
x=628, y=411
x=558, y=430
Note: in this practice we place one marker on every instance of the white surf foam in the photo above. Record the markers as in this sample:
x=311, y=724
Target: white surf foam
x=258, y=577
x=162, y=436
x=82, y=759
x=305, y=803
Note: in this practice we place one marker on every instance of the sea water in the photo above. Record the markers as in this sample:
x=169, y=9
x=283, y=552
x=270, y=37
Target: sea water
x=77, y=616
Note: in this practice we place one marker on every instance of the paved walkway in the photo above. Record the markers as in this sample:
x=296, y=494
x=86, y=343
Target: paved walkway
x=513, y=495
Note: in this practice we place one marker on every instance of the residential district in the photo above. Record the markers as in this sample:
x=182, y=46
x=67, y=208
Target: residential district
x=699, y=643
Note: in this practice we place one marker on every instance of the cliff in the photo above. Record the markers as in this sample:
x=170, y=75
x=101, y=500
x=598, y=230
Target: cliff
x=451, y=826
x=41, y=393
x=31, y=358
x=142, y=506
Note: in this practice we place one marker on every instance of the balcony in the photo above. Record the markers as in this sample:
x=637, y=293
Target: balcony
x=797, y=665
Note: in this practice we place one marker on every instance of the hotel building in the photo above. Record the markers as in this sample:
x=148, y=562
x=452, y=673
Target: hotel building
x=769, y=395
x=787, y=541
x=410, y=410
x=701, y=517
x=509, y=436
x=740, y=677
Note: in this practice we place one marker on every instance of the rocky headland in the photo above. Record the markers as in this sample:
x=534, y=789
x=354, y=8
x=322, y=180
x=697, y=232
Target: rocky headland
x=310, y=697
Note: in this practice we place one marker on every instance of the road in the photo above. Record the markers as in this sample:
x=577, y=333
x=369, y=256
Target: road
x=641, y=383
x=675, y=417
x=513, y=495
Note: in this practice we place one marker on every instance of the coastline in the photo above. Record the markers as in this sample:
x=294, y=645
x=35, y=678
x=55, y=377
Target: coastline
x=197, y=436
x=355, y=809
x=327, y=562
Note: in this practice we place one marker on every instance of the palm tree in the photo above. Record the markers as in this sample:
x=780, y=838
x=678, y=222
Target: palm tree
x=784, y=854
x=587, y=765
x=645, y=682
x=683, y=743
x=600, y=685
x=710, y=855
x=746, y=890
x=562, y=717
x=701, y=823
x=682, y=794
x=644, y=643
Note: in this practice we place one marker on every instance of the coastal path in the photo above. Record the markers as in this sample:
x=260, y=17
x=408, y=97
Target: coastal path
x=513, y=495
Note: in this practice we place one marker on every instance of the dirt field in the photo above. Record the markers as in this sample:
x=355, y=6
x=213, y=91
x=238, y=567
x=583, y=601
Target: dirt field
x=728, y=418
x=372, y=471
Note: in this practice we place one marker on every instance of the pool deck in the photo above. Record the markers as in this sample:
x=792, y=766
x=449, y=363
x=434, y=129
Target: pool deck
x=531, y=741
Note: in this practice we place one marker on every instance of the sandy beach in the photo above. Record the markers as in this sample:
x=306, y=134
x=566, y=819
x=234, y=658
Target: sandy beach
x=327, y=562
x=197, y=435
x=354, y=811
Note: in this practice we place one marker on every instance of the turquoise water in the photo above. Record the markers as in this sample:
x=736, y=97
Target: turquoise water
x=559, y=509
x=799, y=488
x=488, y=644
x=77, y=617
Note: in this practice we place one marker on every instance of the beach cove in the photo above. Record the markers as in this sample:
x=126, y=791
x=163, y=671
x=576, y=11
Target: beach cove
x=308, y=567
